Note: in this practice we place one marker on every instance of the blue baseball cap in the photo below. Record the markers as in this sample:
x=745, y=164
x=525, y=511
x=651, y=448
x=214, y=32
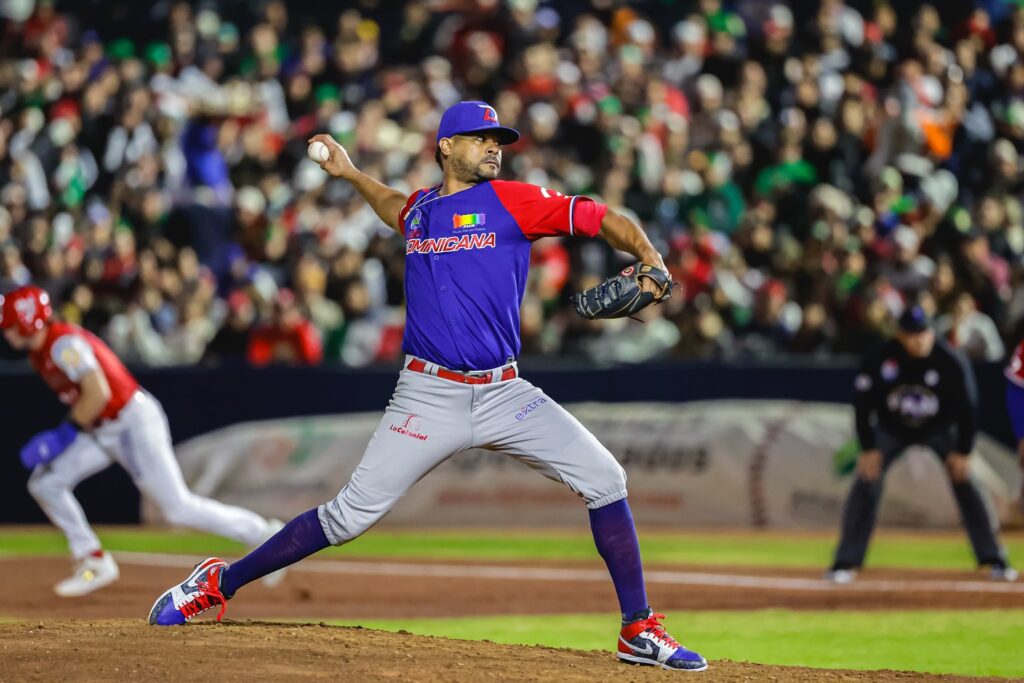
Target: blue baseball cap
x=915, y=319
x=474, y=117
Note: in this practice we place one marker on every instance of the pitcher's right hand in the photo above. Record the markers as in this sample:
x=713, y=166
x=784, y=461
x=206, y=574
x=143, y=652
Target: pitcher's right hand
x=338, y=164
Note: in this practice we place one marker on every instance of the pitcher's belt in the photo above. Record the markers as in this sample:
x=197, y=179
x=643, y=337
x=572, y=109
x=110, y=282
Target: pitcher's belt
x=506, y=372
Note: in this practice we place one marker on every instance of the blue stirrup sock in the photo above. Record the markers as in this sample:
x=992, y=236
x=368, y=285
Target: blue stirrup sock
x=612, y=526
x=616, y=541
x=299, y=538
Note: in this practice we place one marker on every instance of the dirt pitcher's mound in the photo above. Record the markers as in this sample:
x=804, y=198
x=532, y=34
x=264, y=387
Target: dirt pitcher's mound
x=257, y=651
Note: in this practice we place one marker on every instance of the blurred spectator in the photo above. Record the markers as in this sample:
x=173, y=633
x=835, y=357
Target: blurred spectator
x=805, y=173
x=908, y=270
x=289, y=338
x=232, y=340
x=971, y=331
x=774, y=321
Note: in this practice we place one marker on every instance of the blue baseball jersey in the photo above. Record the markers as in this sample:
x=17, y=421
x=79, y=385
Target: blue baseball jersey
x=467, y=256
x=1015, y=390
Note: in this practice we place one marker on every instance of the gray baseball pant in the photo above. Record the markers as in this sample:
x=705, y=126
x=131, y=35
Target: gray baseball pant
x=429, y=419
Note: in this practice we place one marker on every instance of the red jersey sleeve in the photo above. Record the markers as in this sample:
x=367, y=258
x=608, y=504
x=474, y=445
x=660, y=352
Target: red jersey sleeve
x=409, y=203
x=541, y=212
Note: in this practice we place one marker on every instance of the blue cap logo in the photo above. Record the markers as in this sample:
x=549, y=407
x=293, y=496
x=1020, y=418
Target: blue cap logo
x=474, y=117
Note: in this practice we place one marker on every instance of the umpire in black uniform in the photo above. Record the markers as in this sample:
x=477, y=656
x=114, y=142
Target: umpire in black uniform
x=915, y=389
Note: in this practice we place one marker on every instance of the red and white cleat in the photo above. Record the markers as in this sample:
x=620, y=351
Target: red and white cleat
x=645, y=641
x=196, y=594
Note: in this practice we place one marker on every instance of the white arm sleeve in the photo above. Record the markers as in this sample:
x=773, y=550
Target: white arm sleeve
x=74, y=357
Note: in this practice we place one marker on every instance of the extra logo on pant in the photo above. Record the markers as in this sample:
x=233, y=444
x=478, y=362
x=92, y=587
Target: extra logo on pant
x=529, y=408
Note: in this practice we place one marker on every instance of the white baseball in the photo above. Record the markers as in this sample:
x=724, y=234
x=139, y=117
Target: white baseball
x=318, y=152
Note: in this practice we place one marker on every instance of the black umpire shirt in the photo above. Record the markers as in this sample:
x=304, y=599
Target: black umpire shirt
x=914, y=398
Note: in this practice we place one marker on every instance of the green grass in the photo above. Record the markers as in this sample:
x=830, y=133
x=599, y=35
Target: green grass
x=972, y=643
x=707, y=548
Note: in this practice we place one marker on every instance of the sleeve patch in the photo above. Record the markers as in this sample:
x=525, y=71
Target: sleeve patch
x=73, y=356
x=404, y=213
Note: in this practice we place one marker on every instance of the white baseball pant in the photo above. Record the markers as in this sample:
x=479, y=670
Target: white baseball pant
x=140, y=441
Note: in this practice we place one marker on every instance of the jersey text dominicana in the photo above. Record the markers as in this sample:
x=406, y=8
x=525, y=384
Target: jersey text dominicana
x=467, y=256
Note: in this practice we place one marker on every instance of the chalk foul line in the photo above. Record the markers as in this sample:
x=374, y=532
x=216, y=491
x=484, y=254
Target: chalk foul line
x=512, y=573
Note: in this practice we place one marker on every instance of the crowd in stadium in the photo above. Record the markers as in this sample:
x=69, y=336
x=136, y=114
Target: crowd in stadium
x=807, y=168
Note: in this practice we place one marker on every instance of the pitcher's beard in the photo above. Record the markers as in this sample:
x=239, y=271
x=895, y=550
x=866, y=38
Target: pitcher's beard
x=469, y=173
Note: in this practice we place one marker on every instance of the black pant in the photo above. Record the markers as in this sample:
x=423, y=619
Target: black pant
x=861, y=508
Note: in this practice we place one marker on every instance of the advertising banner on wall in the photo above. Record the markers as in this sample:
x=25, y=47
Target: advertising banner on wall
x=768, y=464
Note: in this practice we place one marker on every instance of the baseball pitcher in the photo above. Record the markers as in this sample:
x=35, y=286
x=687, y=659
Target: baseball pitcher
x=467, y=244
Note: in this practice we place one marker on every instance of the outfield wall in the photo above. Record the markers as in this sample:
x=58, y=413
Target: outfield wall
x=758, y=464
x=200, y=400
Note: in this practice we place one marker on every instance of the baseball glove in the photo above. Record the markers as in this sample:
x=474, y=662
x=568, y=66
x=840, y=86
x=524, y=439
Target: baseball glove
x=621, y=295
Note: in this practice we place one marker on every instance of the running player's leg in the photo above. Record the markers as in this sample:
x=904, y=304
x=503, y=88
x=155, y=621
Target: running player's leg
x=426, y=422
x=517, y=418
x=861, y=510
x=53, y=486
x=140, y=439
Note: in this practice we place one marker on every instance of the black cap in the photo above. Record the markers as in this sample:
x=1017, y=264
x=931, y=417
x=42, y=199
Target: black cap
x=915, y=319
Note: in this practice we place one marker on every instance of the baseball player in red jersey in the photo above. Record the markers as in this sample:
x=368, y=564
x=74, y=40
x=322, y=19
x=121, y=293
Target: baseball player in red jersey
x=111, y=419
